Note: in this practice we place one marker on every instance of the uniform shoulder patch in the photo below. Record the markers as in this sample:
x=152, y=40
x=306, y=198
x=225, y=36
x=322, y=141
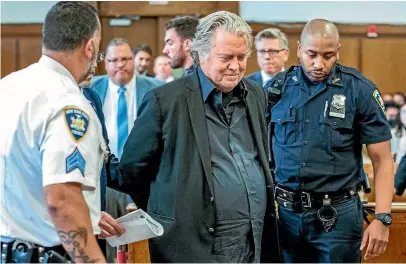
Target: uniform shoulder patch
x=77, y=122
x=75, y=161
x=379, y=100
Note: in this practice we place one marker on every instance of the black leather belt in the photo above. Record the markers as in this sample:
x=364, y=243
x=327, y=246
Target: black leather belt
x=300, y=200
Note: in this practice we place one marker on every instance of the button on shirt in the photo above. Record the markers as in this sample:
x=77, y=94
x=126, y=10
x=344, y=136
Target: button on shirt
x=239, y=184
x=110, y=111
x=35, y=145
x=320, y=129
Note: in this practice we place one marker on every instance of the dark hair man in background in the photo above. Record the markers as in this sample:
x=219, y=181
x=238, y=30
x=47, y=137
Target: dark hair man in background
x=142, y=59
x=179, y=33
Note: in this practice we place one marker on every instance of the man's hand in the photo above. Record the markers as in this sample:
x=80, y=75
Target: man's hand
x=377, y=237
x=131, y=207
x=109, y=226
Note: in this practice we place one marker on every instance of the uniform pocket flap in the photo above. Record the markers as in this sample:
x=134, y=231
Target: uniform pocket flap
x=282, y=115
x=337, y=123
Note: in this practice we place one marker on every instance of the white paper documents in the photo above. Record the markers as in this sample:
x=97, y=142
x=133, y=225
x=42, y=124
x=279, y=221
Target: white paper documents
x=138, y=226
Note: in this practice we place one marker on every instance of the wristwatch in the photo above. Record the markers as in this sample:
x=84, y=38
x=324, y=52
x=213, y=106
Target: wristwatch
x=385, y=218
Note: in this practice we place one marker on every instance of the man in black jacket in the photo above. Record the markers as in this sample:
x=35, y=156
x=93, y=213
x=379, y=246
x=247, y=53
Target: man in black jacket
x=197, y=158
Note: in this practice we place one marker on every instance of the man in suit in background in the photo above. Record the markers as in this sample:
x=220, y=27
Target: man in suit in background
x=179, y=32
x=162, y=69
x=121, y=93
x=272, y=53
x=142, y=59
x=197, y=159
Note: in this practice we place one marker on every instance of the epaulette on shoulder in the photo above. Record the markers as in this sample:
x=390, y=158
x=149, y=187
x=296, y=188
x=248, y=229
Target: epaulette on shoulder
x=357, y=74
x=278, y=81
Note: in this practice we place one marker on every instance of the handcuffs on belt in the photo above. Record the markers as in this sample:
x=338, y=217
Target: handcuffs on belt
x=23, y=252
x=327, y=214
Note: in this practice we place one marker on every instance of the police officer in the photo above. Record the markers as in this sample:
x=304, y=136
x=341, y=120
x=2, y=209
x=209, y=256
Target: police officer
x=325, y=114
x=52, y=147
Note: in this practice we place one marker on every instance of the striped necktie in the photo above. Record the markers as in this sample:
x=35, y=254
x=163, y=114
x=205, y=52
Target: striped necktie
x=122, y=120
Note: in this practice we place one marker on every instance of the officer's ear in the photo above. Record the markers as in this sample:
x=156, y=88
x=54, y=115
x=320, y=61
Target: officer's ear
x=90, y=48
x=299, y=48
x=338, y=51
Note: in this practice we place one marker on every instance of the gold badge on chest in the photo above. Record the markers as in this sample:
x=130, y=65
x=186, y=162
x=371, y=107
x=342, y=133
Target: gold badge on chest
x=337, y=108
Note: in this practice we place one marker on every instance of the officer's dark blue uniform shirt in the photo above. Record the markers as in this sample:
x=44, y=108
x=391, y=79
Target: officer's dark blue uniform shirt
x=319, y=129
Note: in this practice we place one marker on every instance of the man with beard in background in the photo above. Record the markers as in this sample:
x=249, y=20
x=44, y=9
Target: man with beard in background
x=179, y=33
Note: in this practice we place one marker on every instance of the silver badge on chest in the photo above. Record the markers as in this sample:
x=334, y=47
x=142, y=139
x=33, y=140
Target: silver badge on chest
x=337, y=108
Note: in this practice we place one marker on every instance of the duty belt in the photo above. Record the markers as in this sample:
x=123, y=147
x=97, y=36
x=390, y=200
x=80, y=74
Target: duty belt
x=19, y=251
x=324, y=202
x=300, y=200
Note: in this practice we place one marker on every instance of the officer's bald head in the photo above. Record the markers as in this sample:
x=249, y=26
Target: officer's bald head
x=318, y=49
x=319, y=28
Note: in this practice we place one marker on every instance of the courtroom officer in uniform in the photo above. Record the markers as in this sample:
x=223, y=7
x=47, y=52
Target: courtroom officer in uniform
x=324, y=115
x=52, y=147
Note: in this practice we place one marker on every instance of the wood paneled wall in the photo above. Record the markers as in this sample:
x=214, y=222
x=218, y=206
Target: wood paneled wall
x=20, y=46
x=382, y=59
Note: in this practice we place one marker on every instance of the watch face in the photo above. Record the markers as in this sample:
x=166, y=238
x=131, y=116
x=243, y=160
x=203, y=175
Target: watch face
x=387, y=219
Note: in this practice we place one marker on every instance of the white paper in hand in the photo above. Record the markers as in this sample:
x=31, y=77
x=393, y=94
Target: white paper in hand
x=138, y=226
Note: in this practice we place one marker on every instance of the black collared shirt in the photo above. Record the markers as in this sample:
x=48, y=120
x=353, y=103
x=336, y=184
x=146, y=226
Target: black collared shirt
x=239, y=183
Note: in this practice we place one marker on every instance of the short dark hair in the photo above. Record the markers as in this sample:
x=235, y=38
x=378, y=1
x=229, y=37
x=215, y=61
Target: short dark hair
x=185, y=26
x=68, y=24
x=391, y=105
x=142, y=47
x=117, y=42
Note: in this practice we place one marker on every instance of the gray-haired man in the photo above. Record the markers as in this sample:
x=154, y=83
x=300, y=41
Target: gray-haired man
x=272, y=53
x=196, y=156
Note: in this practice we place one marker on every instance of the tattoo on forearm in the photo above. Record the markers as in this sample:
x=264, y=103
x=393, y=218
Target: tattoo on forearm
x=73, y=239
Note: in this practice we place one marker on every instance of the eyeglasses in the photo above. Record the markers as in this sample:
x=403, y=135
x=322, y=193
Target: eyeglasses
x=270, y=52
x=125, y=60
x=100, y=56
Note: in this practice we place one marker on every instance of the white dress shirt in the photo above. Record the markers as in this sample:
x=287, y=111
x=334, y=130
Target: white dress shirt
x=169, y=79
x=47, y=124
x=110, y=111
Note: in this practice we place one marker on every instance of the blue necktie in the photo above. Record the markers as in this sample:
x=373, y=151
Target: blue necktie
x=122, y=120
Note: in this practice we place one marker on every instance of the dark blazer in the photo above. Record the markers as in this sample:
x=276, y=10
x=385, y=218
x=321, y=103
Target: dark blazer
x=166, y=162
x=256, y=77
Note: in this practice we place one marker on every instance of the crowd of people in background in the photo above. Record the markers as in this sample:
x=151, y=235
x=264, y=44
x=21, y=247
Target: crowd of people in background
x=395, y=105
